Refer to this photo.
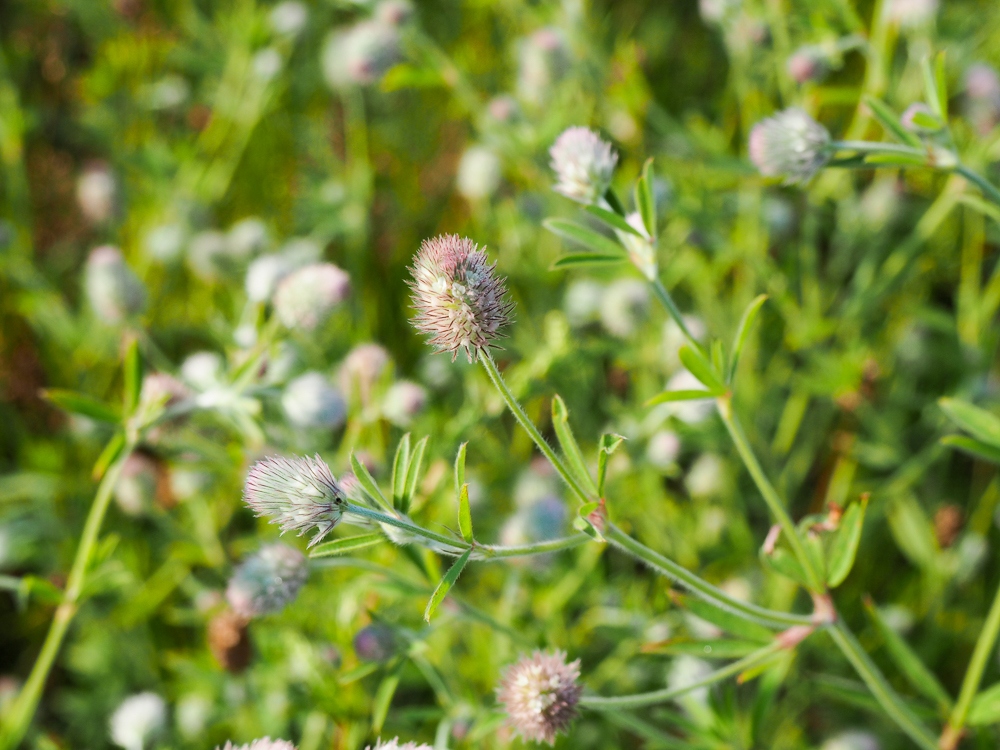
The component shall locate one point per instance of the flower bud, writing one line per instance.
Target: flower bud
(375, 643)
(262, 744)
(543, 61)
(97, 193)
(361, 54)
(113, 289)
(296, 494)
(403, 401)
(288, 18)
(584, 165)
(306, 298)
(478, 173)
(267, 581)
(362, 369)
(908, 119)
(460, 301)
(393, 744)
(539, 694)
(310, 401)
(790, 144)
(137, 719)
(624, 306)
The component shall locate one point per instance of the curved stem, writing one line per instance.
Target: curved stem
(890, 701)
(640, 700)
(700, 588)
(973, 675)
(18, 717)
(771, 497)
(486, 359)
(989, 189)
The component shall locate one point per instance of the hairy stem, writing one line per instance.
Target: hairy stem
(640, 700)
(18, 717)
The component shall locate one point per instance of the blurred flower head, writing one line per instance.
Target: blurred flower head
(790, 144)
(403, 401)
(982, 97)
(165, 242)
(288, 18)
(306, 298)
(544, 60)
(393, 744)
(624, 306)
(266, 272)
(114, 291)
(478, 173)
(362, 369)
(663, 449)
(296, 494)
(361, 54)
(311, 401)
(394, 12)
(539, 694)
(808, 63)
(584, 164)
(912, 13)
(582, 302)
(460, 301)
(852, 739)
(137, 719)
(267, 581)
(262, 744)
(247, 237)
(135, 489)
(97, 193)
(375, 643)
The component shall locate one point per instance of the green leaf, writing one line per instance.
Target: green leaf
(941, 84)
(464, 513)
(896, 160)
(722, 619)
(570, 448)
(383, 699)
(368, 484)
(783, 562)
(668, 396)
(445, 585)
(588, 238)
(921, 678)
(715, 648)
(608, 445)
(612, 198)
(913, 532)
(133, 376)
(109, 455)
(890, 121)
(414, 471)
(927, 121)
(973, 447)
(587, 259)
(400, 463)
(743, 332)
(613, 220)
(844, 548)
(979, 423)
(645, 199)
(935, 88)
(79, 403)
(985, 708)
(347, 544)
(695, 362)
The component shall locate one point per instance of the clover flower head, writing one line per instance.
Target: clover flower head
(306, 297)
(584, 164)
(136, 719)
(808, 63)
(912, 13)
(540, 694)
(789, 144)
(97, 193)
(289, 17)
(296, 494)
(460, 301)
(113, 290)
(310, 401)
(361, 54)
(393, 744)
(267, 581)
(403, 401)
(265, 743)
(394, 12)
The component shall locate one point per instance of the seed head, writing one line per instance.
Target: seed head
(296, 494)
(113, 289)
(262, 744)
(306, 298)
(460, 302)
(583, 163)
(539, 694)
(267, 581)
(393, 744)
(137, 718)
(790, 144)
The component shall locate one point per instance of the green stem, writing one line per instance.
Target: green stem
(18, 717)
(890, 701)
(486, 359)
(668, 302)
(974, 673)
(700, 588)
(399, 523)
(878, 147)
(640, 700)
(771, 497)
(496, 552)
(989, 189)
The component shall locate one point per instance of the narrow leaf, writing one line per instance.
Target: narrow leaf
(460, 467)
(715, 648)
(645, 199)
(400, 463)
(368, 484)
(608, 445)
(743, 332)
(133, 376)
(613, 220)
(79, 403)
(612, 198)
(567, 441)
(934, 88)
(896, 160)
(973, 447)
(584, 236)
(445, 585)
(985, 708)
(464, 513)
(913, 532)
(783, 562)
(979, 423)
(347, 544)
(845, 544)
(668, 396)
(414, 471)
(695, 362)
(587, 259)
(727, 621)
(109, 455)
(383, 699)
(941, 84)
(890, 121)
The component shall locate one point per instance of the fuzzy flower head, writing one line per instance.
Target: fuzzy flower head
(267, 581)
(393, 744)
(113, 290)
(583, 163)
(305, 298)
(460, 301)
(296, 494)
(539, 694)
(262, 744)
(137, 719)
(790, 144)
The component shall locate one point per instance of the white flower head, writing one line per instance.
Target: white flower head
(265, 743)
(97, 193)
(393, 744)
(311, 401)
(113, 290)
(137, 719)
(478, 173)
(307, 297)
(790, 144)
(540, 694)
(584, 164)
(267, 581)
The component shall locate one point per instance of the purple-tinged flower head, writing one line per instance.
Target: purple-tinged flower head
(982, 92)
(265, 743)
(113, 290)
(790, 144)
(539, 694)
(375, 643)
(393, 744)
(460, 301)
(362, 370)
(808, 63)
(267, 581)
(296, 494)
(394, 12)
(544, 59)
(305, 298)
(583, 163)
